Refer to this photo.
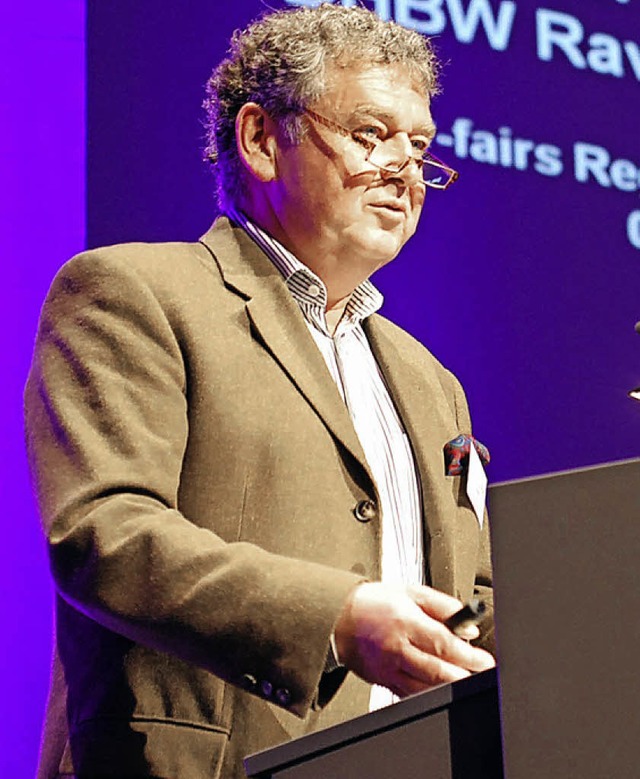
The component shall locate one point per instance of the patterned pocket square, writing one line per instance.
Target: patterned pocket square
(456, 454)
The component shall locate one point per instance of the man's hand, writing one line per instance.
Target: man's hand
(394, 636)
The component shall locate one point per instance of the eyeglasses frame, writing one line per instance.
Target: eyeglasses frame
(370, 145)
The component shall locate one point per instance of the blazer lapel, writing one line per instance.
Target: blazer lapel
(280, 325)
(430, 423)
(413, 383)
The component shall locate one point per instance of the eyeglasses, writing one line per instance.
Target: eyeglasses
(433, 171)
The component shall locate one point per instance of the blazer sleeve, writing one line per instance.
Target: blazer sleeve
(106, 427)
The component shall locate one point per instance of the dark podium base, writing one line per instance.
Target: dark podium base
(452, 732)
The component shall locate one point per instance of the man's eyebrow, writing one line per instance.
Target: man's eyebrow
(428, 129)
(375, 112)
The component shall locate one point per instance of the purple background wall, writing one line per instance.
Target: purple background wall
(526, 284)
(42, 222)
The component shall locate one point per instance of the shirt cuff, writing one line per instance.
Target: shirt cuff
(333, 661)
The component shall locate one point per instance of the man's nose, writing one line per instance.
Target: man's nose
(396, 151)
(396, 160)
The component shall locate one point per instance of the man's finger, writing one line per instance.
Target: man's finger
(468, 632)
(431, 637)
(436, 604)
(428, 670)
(404, 684)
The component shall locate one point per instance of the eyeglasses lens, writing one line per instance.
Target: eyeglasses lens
(435, 176)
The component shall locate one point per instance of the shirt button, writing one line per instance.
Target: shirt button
(313, 290)
(365, 510)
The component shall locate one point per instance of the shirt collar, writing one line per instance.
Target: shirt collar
(306, 287)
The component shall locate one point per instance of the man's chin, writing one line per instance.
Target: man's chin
(385, 247)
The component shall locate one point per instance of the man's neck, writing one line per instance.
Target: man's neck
(334, 314)
(339, 278)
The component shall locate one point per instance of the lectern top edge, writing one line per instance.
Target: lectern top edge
(584, 469)
(369, 724)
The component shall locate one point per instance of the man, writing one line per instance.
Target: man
(231, 449)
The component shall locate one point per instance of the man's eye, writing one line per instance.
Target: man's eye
(371, 133)
(420, 144)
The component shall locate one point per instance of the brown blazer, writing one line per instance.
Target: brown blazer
(197, 473)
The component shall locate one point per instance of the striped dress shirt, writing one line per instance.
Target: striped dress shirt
(354, 370)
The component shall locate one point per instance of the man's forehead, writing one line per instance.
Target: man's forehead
(362, 111)
(383, 91)
(337, 72)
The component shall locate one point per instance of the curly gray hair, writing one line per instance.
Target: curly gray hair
(279, 62)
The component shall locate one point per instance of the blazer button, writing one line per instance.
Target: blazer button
(282, 696)
(248, 682)
(366, 510)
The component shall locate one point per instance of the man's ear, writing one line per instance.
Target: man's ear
(256, 141)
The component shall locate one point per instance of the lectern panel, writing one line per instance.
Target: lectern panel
(566, 553)
(451, 732)
(392, 754)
